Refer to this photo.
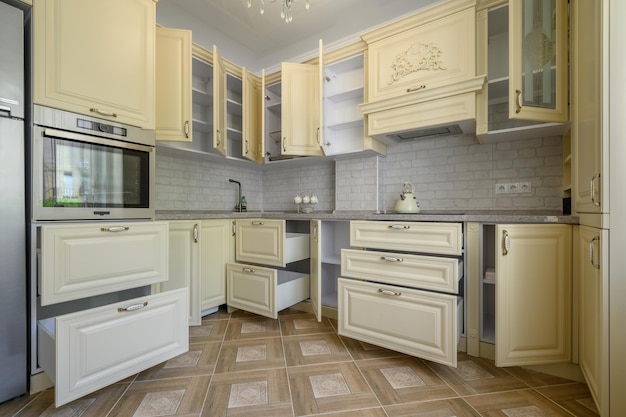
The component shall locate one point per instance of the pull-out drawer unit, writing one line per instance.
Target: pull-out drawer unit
(87, 350)
(266, 242)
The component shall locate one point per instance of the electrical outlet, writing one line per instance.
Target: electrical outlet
(523, 187)
(502, 188)
(513, 188)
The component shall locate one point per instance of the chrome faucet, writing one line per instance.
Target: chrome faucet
(238, 207)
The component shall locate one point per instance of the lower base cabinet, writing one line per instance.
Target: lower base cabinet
(87, 350)
(264, 291)
(415, 322)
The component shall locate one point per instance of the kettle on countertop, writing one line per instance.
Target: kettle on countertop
(407, 202)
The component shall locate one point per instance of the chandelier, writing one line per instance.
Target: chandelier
(285, 12)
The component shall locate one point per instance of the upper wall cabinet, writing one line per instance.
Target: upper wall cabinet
(102, 67)
(422, 74)
(173, 80)
(522, 47)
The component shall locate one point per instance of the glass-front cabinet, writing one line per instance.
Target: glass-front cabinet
(522, 47)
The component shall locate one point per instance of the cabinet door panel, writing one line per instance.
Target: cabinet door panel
(316, 268)
(102, 66)
(252, 289)
(220, 141)
(217, 249)
(533, 294)
(261, 241)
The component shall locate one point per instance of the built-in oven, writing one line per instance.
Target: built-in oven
(88, 168)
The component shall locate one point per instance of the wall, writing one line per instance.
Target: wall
(448, 173)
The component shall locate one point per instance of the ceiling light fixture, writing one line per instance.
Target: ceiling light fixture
(285, 13)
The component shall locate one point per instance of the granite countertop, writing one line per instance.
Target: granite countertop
(484, 216)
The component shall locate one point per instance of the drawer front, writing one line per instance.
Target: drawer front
(414, 322)
(252, 288)
(426, 272)
(260, 241)
(97, 347)
(431, 55)
(83, 260)
(429, 237)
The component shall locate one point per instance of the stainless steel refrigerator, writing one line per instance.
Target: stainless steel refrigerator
(13, 298)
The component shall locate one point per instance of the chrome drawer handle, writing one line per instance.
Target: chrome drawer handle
(258, 223)
(103, 112)
(417, 88)
(250, 270)
(391, 259)
(195, 233)
(506, 243)
(399, 226)
(133, 307)
(595, 265)
(389, 292)
(114, 229)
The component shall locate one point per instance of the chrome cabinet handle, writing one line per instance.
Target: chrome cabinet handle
(389, 292)
(284, 144)
(103, 112)
(133, 307)
(187, 129)
(593, 190)
(247, 147)
(315, 233)
(595, 265)
(317, 136)
(391, 259)
(114, 229)
(518, 101)
(195, 233)
(417, 88)
(219, 137)
(257, 223)
(234, 228)
(506, 242)
(399, 226)
(250, 270)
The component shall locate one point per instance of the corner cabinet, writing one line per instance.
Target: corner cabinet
(100, 67)
(254, 286)
(533, 294)
(173, 81)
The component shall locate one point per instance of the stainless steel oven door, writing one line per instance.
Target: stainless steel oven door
(82, 177)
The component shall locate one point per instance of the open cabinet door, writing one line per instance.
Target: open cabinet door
(252, 147)
(316, 268)
(220, 141)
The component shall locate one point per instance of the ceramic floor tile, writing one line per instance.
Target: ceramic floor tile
(363, 350)
(574, 397)
(536, 379)
(165, 397)
(402, 380)
(520, 403)
(252, 328)
(251, 354)
(329, 388)
(476, 376)
(199, 360)
(314, 349)
(441, 408)
(211, 330)
(262, 393)
(301, 324)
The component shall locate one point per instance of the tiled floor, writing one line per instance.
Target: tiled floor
(246, 365)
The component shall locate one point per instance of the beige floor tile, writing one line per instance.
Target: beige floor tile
(368, 412)
(329, 388)
(211, 330)
(363, 350)
(250, 355)
(534, 378)
(441, 408)
(258, 393)
(301, 324)
(252, 328)
(403, 380)
(164, 397)
(314, 349)
(199, 360)
(574, 397)
(520, 403)
(476, 376)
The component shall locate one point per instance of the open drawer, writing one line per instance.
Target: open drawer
(267, 242)
(84, 351)
(264, 291)
(419, 323)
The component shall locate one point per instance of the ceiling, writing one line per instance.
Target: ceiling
(265, 40)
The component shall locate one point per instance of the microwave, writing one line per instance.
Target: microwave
(85, 168)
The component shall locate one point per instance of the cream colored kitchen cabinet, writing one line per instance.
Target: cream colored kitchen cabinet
(102, 67)
(398, 290)
(265, 291)
(533, 294)
(418, 323)
(267, 242)
(593, 314)
(502, 110)
(217, 248)
(253, 145)
(173, 81)
(422, 74)
(590, 151)
(429, 237)
(220, 139)
(86, 259)
(84, 351)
